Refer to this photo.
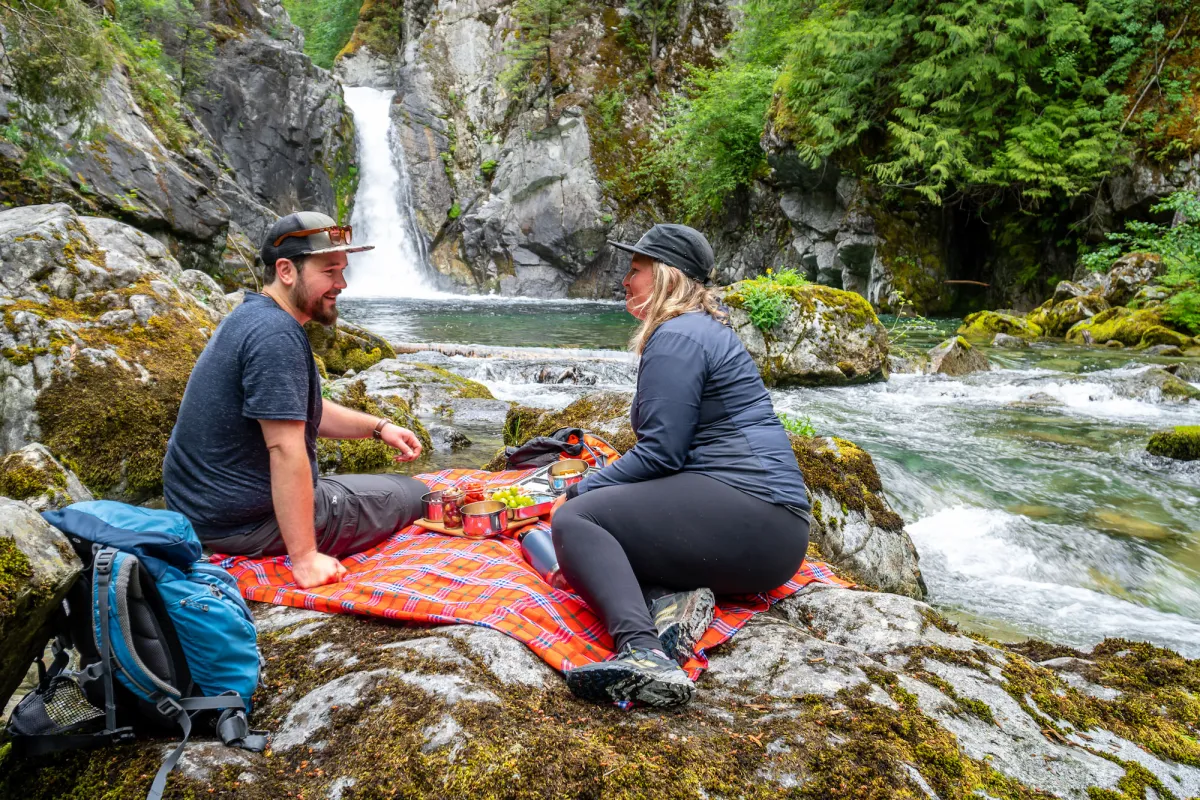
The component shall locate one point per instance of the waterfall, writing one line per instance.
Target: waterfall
(383, 213)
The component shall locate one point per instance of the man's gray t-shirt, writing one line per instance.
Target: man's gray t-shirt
(258, 365)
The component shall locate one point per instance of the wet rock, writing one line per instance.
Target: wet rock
(1151, 384)
(1120, 524)
(986, 324)
(34, 475)
(430, 389)
(907, 362)
(605, 414)
(37, 567)
(97, 388)
(1055, 319)
(446, 439)
(1132, 328)
(1009, 342)
(1182, 443)
(1167, 350)
(828, 338)
(854, 528)
(1129, 274)
(956, 357)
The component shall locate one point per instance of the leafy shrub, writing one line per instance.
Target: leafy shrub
(765, 298)
(801, 426)
(1179, 246)
(327, 26)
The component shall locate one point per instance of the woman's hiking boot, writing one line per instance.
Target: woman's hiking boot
(681, 619)
(645, 676)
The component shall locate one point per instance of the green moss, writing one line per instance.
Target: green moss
(840, 468)
(21, 480)
(913, 254)
(986, 324)
(341, 350)
(15, 573)
(588, 412)
(1056, 319)
(461, 387)
(357, 456)
(21, 355)
(1183, 443)
(1132, 328)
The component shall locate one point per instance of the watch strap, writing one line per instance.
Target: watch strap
(378, 432)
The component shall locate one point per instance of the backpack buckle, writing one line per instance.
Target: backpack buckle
(168, 708)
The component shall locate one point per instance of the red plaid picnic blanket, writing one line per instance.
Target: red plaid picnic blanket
(420, 576)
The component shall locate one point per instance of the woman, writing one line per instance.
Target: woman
(710, 496)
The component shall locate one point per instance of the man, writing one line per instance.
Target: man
(242, 460)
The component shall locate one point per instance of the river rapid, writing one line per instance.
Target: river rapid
(1026, 489)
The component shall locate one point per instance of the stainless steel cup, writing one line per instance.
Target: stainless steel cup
(488, 518)
(565, 473)
(432, 504)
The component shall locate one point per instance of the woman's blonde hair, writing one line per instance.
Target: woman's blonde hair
(674, 293)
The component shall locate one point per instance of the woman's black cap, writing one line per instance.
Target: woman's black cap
(677, 246)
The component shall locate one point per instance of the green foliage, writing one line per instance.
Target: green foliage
(531, 50)
(380, 27)
(655, 18)
(1179, 246)
(488, 168)
(907, 321)
(327, 26)
(801, 426)
(765, 298)
(455, 211)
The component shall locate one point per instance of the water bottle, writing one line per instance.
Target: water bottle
(538, 549)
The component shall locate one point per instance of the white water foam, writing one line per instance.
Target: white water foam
(382, 208)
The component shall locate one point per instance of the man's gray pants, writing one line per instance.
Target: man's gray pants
(352, 513)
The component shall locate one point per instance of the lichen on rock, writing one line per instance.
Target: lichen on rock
(343, 346)
(34, 475)
(986, 324)
(1182, 443)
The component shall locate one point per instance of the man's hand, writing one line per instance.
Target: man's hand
(558, 501)
(403, 440)
(316, 569)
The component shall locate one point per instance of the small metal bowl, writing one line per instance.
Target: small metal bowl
(574, 469)
(542, 503)
(486, 518)
(432, 505)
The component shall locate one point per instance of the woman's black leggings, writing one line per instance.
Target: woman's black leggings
(621, 546)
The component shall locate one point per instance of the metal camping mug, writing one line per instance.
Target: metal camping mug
(538, 549)
(564, 473)
(486, 518)
(432, 505)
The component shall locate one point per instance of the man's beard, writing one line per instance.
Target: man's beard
(312, 305)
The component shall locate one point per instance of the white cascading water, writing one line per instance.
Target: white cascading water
(382, 208)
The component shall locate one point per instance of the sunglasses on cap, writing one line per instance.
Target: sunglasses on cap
(338, 234)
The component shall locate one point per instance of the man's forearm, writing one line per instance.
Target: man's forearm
(292, 496)
(339, 422)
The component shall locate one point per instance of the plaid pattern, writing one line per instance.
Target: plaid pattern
(419, 576)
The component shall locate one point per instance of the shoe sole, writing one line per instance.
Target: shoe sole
(619, 684)
(679, 639)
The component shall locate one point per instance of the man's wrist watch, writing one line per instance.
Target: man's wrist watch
(378, 432)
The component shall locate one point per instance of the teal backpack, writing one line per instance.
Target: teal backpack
(165, 641)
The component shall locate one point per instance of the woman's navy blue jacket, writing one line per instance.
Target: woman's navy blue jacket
(701, 406)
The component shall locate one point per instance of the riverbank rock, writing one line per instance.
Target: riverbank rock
(1055, 318)
(1129, 275)
(1182, 443)
(98, 341)
(37, 567)
(431, 389)
(1003, 340)
(828, 338)
(605, 414)
(1131, 327)
(1151, 384)
(957, 357)
(907, 362)
(986, 324)
(840, 693)
(34, 475)
(352, 456)
(344, 346)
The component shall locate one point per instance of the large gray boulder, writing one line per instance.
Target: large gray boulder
(829, 338)
(840, 693)
(98, 339)
(37, 567)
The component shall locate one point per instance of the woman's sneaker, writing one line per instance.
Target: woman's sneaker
(681, 619)
(646, 676)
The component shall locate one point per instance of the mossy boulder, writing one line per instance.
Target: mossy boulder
(37, 567)
(828, 338)
(1055, 319)
(605, 414)
(353, 456)
(99, 336)
(1182, 443)
(431, 390)
(986, 324)
(1129, 275)
(1131, 327)
(344, 346)
(956, 357)
(836, 693)
(34, 475)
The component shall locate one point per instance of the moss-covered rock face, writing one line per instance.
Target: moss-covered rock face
(343, 347)
(829, 338)
(1182, 443)
(354, 456)
(34, 475)
(986, 324)
(836, 693)
(1132, 328)
(99, 336)
(956, 357)
(1055, 319)
(37, 567)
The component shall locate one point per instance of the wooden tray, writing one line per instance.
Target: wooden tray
(437, 527)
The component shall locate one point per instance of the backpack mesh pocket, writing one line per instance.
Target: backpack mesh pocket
(60, 708)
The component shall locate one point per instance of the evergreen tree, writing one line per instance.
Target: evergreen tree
(532, 49)
(655, 16)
